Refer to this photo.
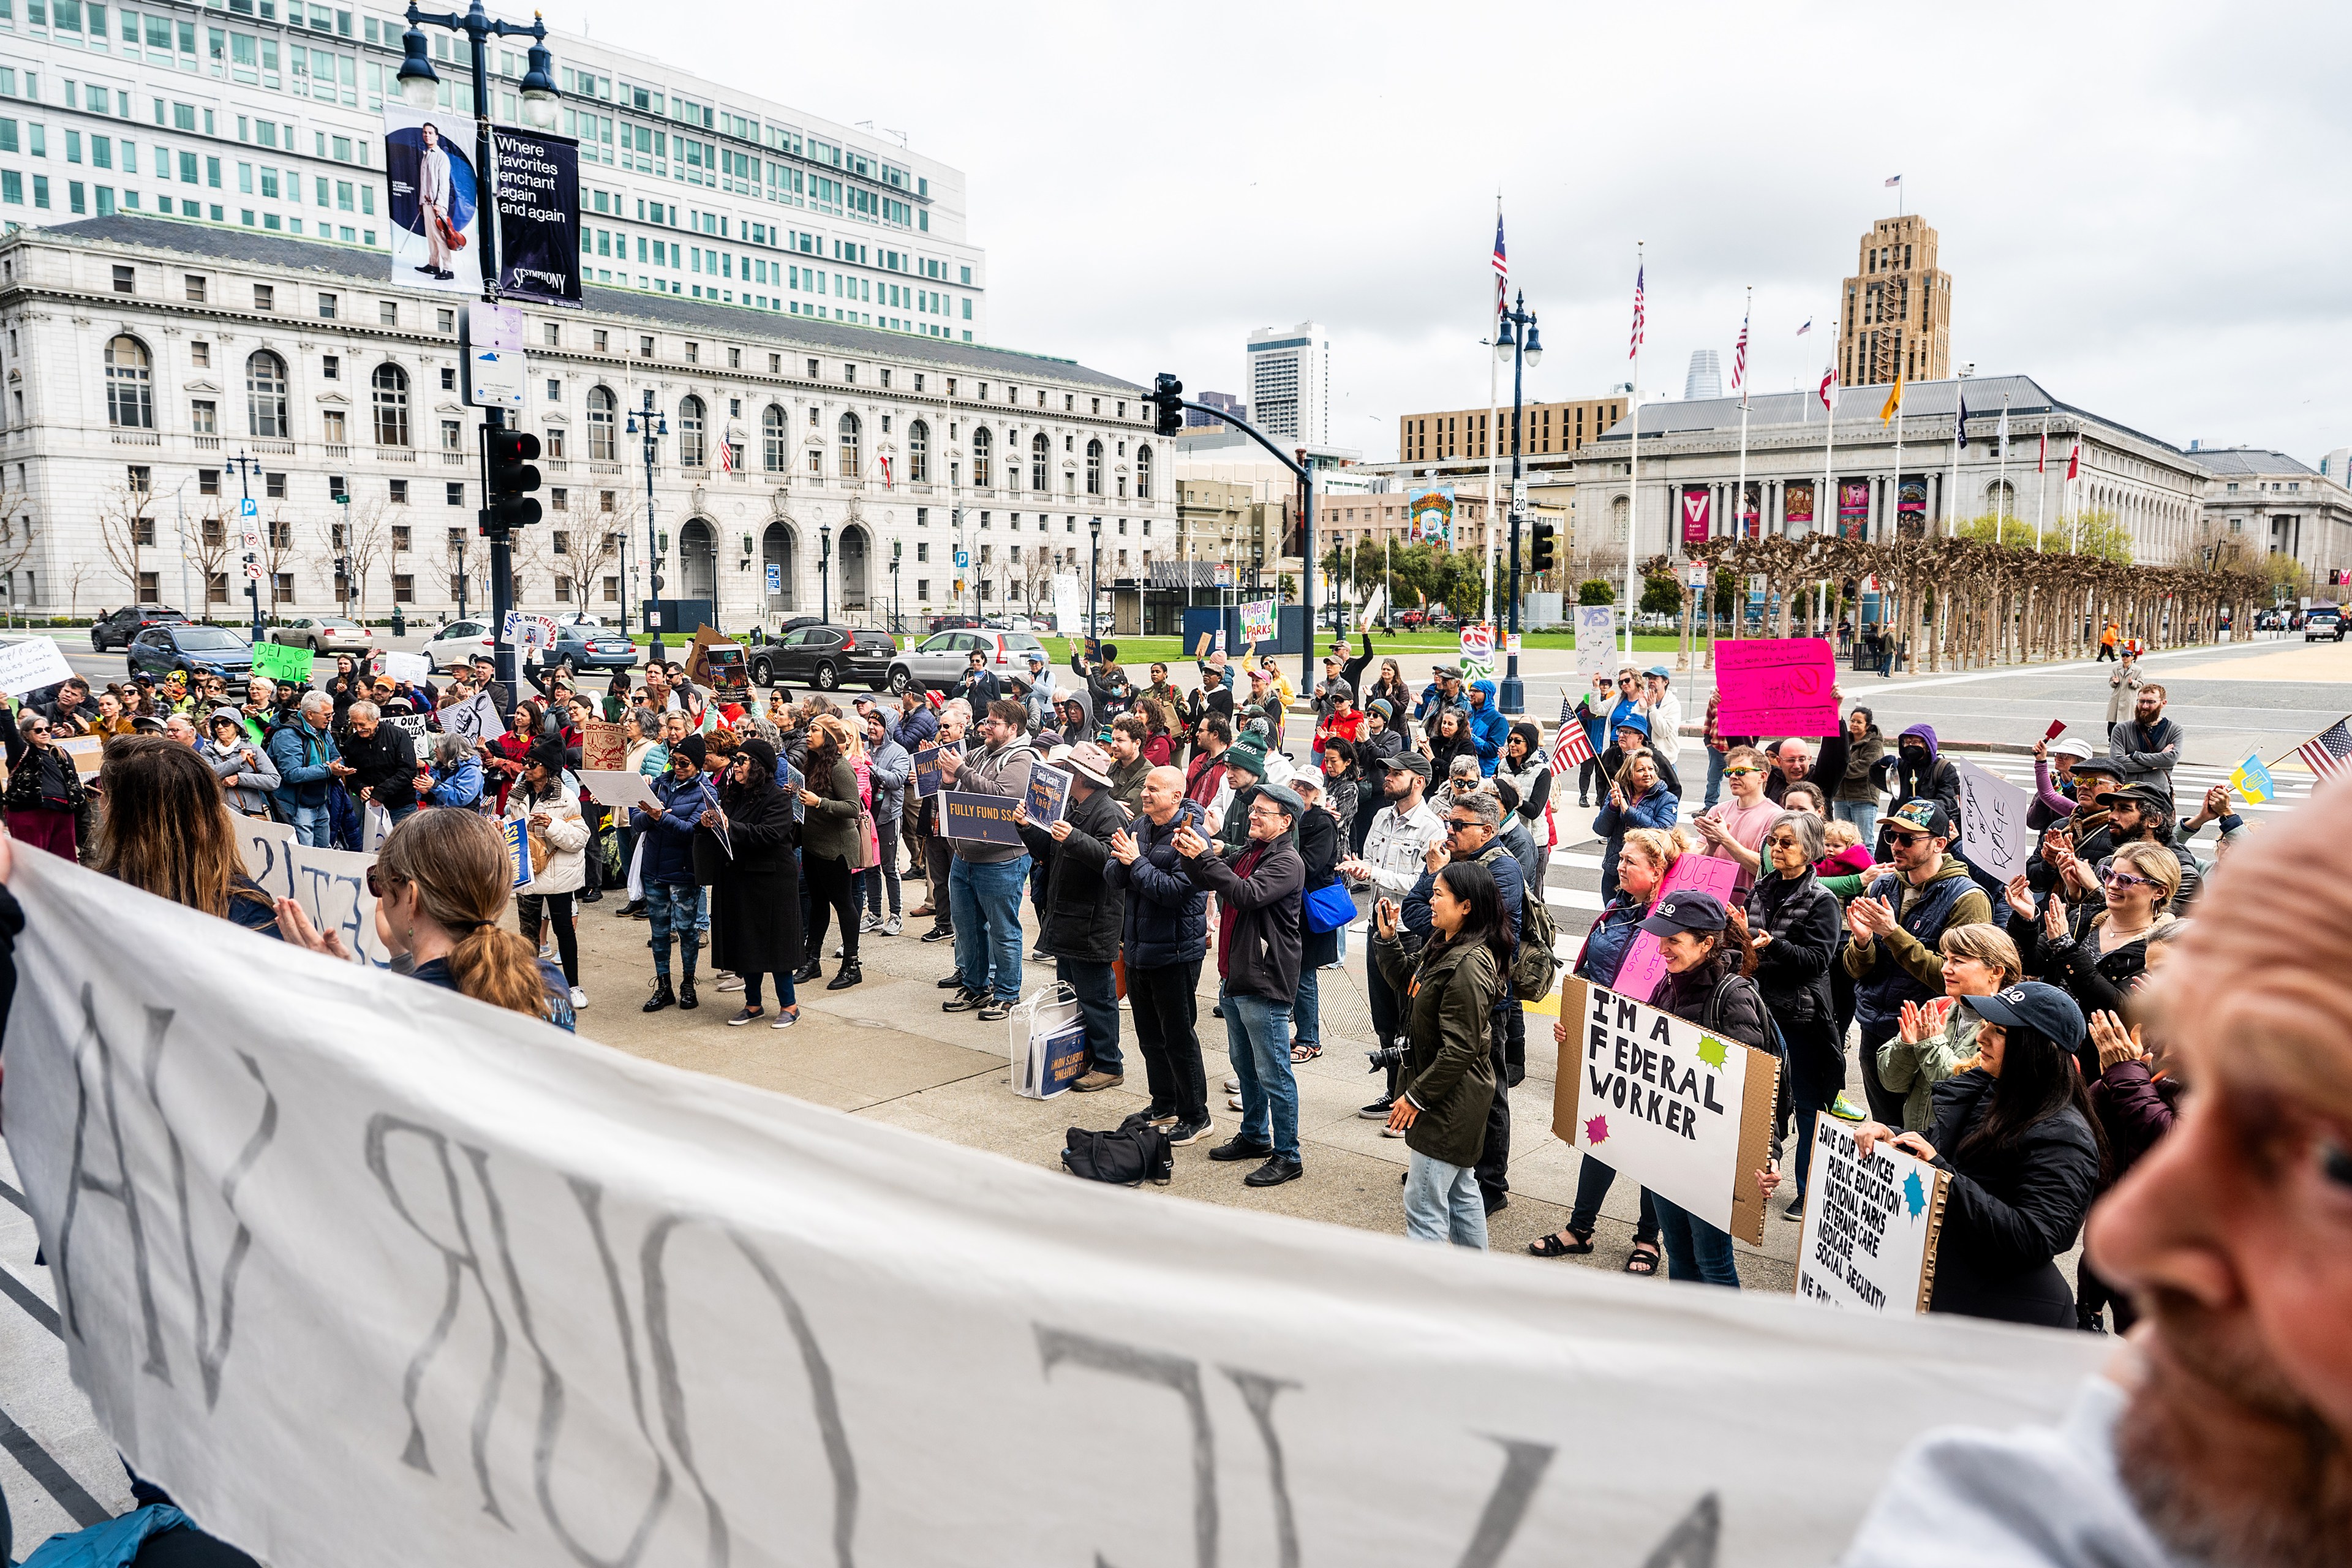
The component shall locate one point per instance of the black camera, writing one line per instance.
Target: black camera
(1387, 1059)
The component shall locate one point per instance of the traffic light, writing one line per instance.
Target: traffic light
(1168, 396)
(1542, 550)
(511, 480)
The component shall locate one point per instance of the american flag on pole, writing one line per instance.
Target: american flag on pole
(2329, 752)
(1574, 747)
(1739, 356)
(1502, 271)
(1634, 351)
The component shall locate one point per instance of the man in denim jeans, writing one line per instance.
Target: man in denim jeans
(673, 901)
(306, 756)
(984, 886)
(1258, 951)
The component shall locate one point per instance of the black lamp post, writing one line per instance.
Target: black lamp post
(245, 467)
(653, 428)
(420, 86)
(1094, 583)
(1520, 343)
(824, 572)
(896, 549)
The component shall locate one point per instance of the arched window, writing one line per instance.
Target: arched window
(918, 453)
(850, 467)
(984, 445)
(1094, 468)
(391, 385)
(1041, 456)
(265, 395)
(774, 442)
(1143, 473)
(600, 446)
(690, 453)
(130, 384)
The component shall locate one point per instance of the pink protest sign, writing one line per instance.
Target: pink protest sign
(1776, 686)
(1644, 966)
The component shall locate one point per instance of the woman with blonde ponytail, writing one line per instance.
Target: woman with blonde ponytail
(442, 882)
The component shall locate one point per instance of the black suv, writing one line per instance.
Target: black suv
(117, 629)
(825, 657)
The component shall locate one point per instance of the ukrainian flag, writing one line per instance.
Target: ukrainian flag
(2253, 781)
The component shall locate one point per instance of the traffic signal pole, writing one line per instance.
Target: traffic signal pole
(1168, 397)
(501, 552)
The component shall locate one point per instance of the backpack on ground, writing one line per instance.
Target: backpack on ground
(1128, 1155)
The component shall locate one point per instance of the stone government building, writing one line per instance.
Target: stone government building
(142, 355)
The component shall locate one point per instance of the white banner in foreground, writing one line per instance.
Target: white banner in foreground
(366, 1273)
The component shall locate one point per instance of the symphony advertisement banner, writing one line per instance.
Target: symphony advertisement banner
(1911, 509)
(1697, 516)
(536, 184)
(377, 1274)
(1797, 500)
(435, 199)
(1751, 516)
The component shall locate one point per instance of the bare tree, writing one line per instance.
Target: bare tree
(365, 539)
(16, 540)
(277, 549)
(212, 552)
(123, 530)
(595, 548)
(77, 576)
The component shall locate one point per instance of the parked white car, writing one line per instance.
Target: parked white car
(457, 645)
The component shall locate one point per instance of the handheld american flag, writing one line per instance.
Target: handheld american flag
(1574, 747)
(2329, 752)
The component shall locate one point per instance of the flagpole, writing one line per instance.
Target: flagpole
(1829, 456)
(1739, 496)
(1959, 426)
(1634, 465)
(1494, 441)
(2041, 481)
(2000, 499)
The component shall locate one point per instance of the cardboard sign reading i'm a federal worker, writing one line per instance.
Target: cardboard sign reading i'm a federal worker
(1870, 1224)
(1686, 1113)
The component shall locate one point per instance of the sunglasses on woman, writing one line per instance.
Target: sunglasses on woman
(2123, 880)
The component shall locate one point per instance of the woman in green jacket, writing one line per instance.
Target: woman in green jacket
(1935, 1040)
(1449, 1077)
(830, 829)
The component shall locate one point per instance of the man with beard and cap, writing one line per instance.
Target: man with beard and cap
(1487, 726)
(2220, 1433)
(1216, 696)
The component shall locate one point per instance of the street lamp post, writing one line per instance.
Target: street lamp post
(1094, 581)
(824, 572)
(1520, 342)
(420, 86)
(246, 521)
(653, 428)
(897, 549)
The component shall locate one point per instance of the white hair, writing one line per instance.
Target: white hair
(956, 707)
(365, 710)
(318, 700)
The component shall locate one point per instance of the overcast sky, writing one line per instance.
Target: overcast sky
(2144, 207)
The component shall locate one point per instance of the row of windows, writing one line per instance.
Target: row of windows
(130, 406)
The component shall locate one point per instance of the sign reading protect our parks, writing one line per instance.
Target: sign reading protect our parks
(1685, 1112)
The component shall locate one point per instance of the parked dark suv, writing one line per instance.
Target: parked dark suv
(117, 629)
(825, 657)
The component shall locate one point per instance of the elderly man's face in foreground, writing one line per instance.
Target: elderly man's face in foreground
(2234, 1234)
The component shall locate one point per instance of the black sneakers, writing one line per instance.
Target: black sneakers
(1377, 1110)
(964, 1001)
(1190, 1132)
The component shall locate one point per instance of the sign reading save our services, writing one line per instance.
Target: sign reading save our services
(1870, 1224)
(1686, 1113)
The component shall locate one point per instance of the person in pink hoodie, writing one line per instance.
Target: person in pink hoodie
(1734, 829)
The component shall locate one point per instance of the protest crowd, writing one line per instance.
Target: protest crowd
(1805, 897)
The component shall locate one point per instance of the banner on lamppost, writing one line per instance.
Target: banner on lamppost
(535, 188)
(1433, 514)
(435, 199)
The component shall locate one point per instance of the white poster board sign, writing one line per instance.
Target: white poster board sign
(1069, 604)
(1993, 835)
(413, 668)
(443, 1284)
(618, 789)
(528, 632)
(1869, 1243)
(1596, 639)
(30, 663)
(1686, 1113)
(329, 884)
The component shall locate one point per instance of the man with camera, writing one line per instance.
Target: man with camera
(1396, 851)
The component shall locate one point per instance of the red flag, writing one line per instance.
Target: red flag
(1828, 381)
(2042, 457)
(2075, 460)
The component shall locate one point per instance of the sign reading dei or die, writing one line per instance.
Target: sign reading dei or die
(1870, 1224)
(1686, 1113)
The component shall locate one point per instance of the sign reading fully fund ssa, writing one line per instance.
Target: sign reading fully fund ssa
(982, 818)
(1685, 1112)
